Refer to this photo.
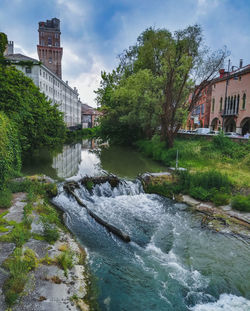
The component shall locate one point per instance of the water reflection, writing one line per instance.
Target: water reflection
(87, 158)
(67, 162)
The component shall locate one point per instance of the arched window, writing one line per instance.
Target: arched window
(244, 101)
(234, 105)
(213, 102)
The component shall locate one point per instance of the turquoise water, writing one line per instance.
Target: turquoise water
(171, 262)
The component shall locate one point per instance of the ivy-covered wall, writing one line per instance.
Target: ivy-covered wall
(10, 155)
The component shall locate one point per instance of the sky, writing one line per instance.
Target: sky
(95, 32)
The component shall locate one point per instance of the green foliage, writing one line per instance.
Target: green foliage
(3, 44)
(18, 264)
(19, 235)
(149, 89)
(50, 232)
(82, 133)
(5, 198)
(220, 199)
(65, 261)
(38, 122)
(241, 203)
(89, 185)
(10, 160)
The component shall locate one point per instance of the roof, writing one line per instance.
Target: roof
(20, 57)
(86, 109)
(232, 74)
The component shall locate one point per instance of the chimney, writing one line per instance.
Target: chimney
(241, 63)
(222, 73)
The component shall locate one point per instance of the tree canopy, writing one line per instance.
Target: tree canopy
(39, 123)
(149, 90)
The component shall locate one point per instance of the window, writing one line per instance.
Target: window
(28, 69)
(49, 41)
(244, 101)
(43, 74)
(56, 44)
(40, 72)
(221, 101)
(213, 102)
(50, 60)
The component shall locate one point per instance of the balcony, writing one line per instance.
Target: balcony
(230, 112)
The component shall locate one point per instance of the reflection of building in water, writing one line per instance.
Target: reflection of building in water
(67, 162)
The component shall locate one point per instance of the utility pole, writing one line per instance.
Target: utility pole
(225, 101)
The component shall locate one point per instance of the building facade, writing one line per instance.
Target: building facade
(56, 90)
(90, 116)
(49, 50)
(200, 115)
(230, 108)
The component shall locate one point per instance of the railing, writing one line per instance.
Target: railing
(229, 112)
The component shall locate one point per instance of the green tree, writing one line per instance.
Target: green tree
(179, 65)
(10, 159)
(39, 122)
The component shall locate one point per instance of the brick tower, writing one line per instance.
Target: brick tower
(48, 49)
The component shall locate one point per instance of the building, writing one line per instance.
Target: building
(46, 73)
(49, 50)
(56, 90)
(200, 115)
(89, 116)
(231, 107)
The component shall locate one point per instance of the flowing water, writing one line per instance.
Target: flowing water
(171, 262)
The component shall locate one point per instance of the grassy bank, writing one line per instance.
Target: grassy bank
(198, 155)
(217, 170)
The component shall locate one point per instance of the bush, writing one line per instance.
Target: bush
(220, 199)
(10, 158)
(200, 193)
(241, 203)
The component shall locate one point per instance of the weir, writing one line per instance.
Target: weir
(69, 188)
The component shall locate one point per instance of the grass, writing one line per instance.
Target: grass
(18, 264)
(199, 155)
(65, 260)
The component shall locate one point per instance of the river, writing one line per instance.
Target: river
(171, 262)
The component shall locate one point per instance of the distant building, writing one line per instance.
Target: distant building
(49, 50)
(90, 116)
(235, 108)
(200, 115)
(56, 90)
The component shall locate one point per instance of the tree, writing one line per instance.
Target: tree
(39, 123)
(180, 65)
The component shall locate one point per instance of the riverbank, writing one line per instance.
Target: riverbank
(221, 218)
(42, 265)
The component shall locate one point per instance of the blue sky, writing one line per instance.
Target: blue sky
(94, 32)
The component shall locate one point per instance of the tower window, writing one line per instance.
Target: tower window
(221, 100)
(213, 102)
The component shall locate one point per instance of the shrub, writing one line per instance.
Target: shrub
(220, 199)
(200, 193)
(241, 203)
(19, 235)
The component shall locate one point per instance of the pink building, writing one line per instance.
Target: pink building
(235, 109)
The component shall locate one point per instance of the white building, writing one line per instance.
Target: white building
(56, 90)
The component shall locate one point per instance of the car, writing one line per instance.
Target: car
(214, 132)
(203, 130)
(232, 134)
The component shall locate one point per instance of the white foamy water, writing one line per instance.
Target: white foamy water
(226, 302)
